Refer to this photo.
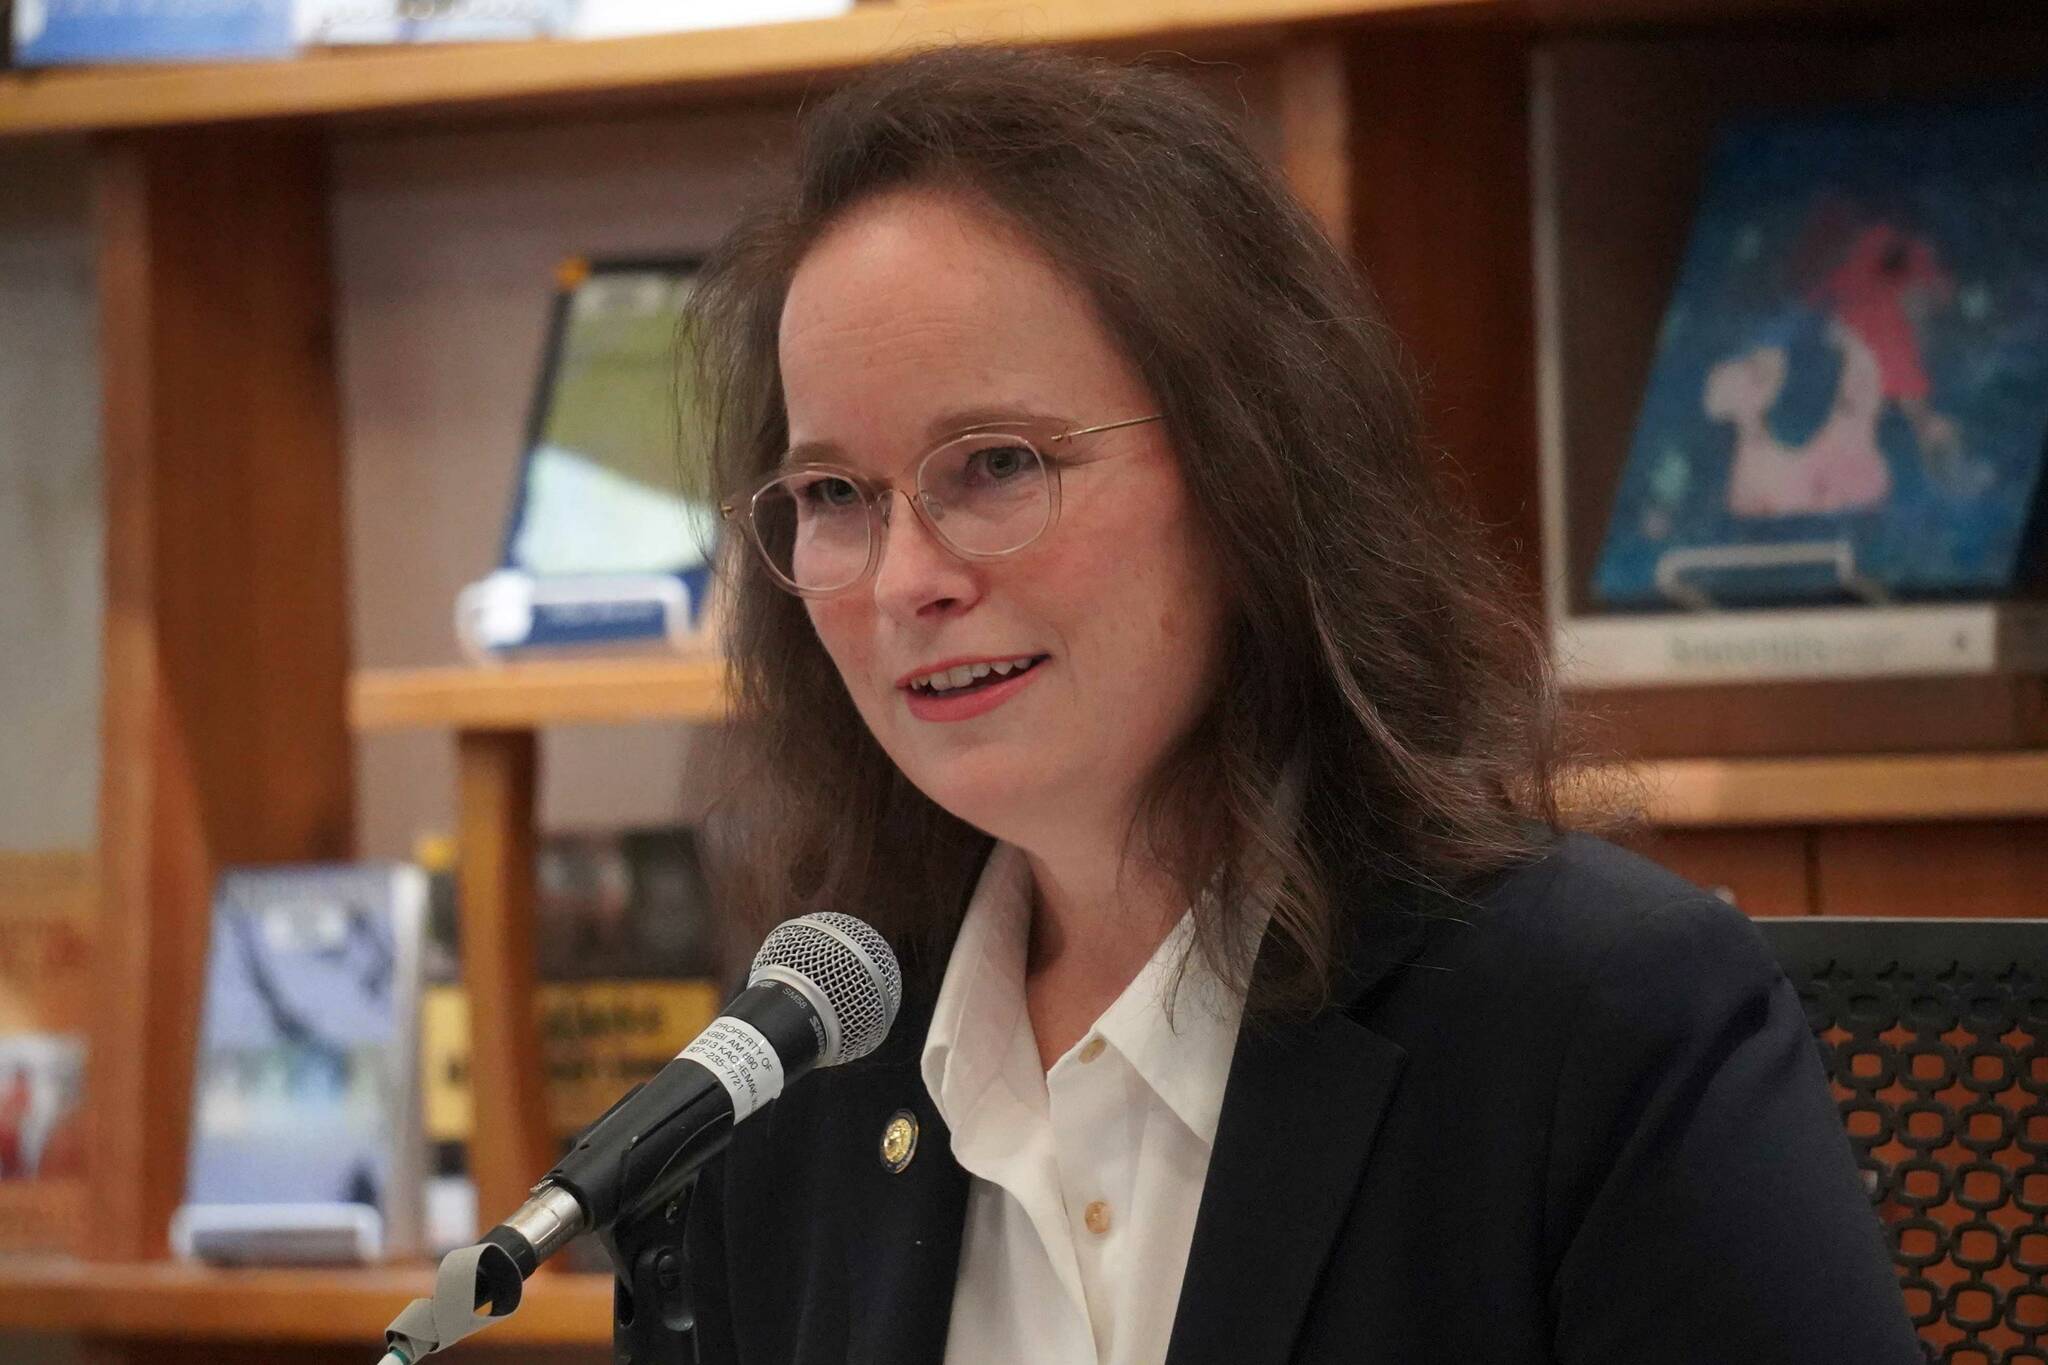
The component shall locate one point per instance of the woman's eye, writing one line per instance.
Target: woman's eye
(831, 493)
(1002, 462)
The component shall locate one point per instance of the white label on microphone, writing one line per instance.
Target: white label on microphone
(742, 1059)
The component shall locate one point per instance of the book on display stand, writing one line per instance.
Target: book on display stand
(1837, 464)
(610, 542)
(306, 1145)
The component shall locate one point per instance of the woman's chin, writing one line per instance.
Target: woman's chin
(992, 796)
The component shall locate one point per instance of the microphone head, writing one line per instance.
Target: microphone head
(846, 970)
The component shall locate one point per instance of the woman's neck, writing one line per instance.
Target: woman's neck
(1093, 928)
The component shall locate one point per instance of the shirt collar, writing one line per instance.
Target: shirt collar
(1177, 1035)
(980, 1005)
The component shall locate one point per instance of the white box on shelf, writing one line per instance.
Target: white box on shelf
(1804, 643)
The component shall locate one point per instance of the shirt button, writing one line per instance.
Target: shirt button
(1092, 1049)
(1097, 1217)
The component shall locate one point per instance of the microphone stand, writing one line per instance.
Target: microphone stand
(652, 1316)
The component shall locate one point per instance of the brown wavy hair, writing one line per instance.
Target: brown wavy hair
(1372, 630)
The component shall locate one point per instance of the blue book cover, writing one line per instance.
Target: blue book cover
(77, 32)
(304, 1085)
(1850, 393)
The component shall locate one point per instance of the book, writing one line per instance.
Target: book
(629, 973)
(352, 22)
(612, 534)
(305, 1142)
(72, 32)
(45, 992)
(627, 18)
(1849, 398)
(41, 1076)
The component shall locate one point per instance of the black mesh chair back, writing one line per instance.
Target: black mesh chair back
(1935, 1037)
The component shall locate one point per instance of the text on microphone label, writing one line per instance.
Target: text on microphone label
(742, 1059)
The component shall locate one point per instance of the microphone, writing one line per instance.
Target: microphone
(823, 989)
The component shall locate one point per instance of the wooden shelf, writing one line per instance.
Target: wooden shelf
(530, 696)
(766, 58)
(1883, 789)
(1677, 793)
(709, 63)
(173, 1300)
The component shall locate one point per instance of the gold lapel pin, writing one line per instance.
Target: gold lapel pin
(899, 1141)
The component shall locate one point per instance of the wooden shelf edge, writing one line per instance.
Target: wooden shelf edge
(173, 1300)
(530, 696)
(1673, 793)
(1865, 789)
(714, 61)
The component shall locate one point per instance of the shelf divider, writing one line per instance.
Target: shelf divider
(226, 630)
(510, 1147)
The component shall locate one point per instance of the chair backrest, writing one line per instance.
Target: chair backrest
(1934, 1033)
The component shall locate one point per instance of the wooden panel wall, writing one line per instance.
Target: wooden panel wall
(1440, 213)
(226, 648)
(1964, 869)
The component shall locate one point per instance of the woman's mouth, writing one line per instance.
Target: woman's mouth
(951, 696)
(973, 677)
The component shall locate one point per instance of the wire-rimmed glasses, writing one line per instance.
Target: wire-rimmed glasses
(983, 494)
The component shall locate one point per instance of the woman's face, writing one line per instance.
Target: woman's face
(914, 317)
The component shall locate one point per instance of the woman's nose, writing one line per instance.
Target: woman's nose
(917, 571)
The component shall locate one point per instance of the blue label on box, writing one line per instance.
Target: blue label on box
(590, 623)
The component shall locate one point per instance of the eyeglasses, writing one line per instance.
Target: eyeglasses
(983, 494)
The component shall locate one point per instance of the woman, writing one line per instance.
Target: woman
(1115, 653)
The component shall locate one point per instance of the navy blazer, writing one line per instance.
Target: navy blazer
(1582, 1121)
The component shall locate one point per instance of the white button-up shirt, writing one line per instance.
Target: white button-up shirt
(1085, 1179)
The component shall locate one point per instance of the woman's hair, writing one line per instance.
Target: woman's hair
(1370, 629)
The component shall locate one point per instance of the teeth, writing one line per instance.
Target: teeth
(945, 680)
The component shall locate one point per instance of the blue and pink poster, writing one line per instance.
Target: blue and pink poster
(1850, 393)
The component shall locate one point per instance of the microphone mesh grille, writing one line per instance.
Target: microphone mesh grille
(850, 964)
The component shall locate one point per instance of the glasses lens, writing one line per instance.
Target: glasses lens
(988, 494)
(813, 527)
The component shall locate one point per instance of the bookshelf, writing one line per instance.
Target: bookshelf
(232, 709)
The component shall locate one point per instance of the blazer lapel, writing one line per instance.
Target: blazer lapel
(903, 1228)
(1301, 1111)
(1299, 1118)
